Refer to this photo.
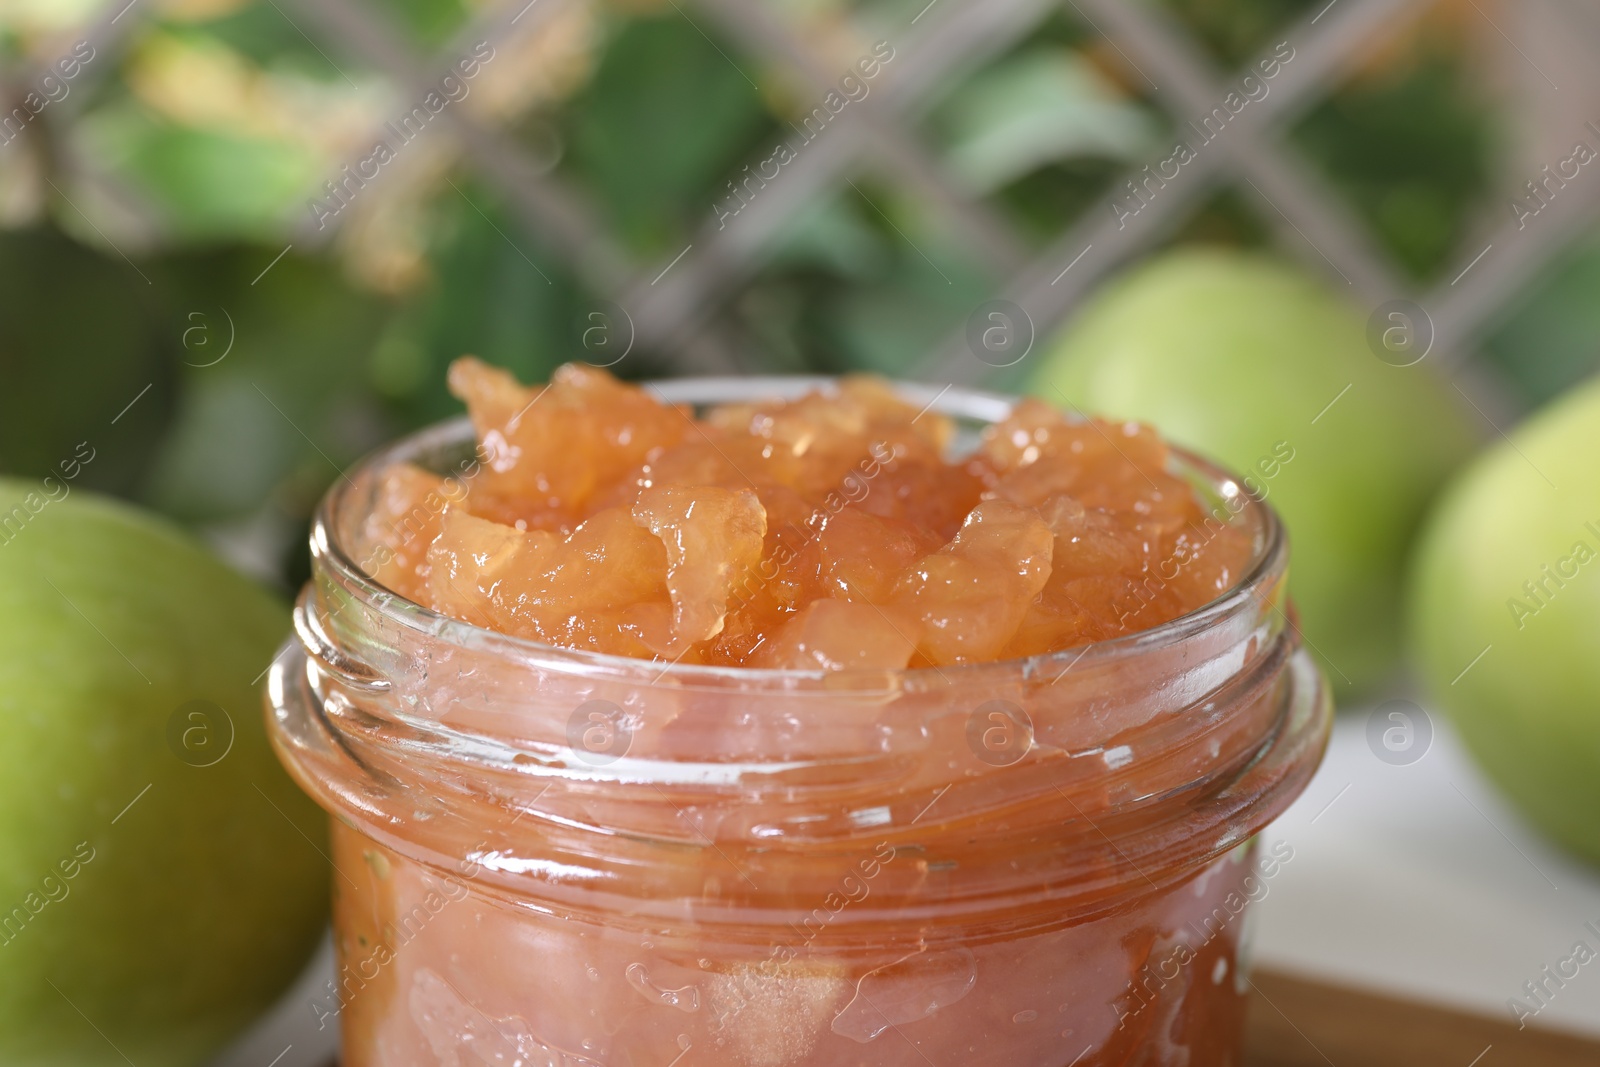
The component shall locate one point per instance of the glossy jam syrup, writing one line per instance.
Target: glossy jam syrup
(831, 531)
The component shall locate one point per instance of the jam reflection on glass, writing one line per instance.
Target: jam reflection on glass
(432, 974)
(838, 731)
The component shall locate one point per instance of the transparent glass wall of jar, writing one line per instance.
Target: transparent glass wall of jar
(547, 857)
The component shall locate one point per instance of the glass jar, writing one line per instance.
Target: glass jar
(551, 858)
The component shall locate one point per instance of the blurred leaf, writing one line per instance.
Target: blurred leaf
(264, 32)
(886, 331)
(227, 452)
(288, 407)
(830, 235)
(206, 184)
(1063, 28)
(431, 22)
(1047, 200)
(1411, 151)
(927, 290)
(1552, 340)
(663, 125)
(1223, 218)
(81, 338)
(1235, 30)
(1040, 108)
(773, 316)
(495, 294)
(321, 369)
(821, 252)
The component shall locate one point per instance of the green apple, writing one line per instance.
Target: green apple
(161, 878)
(1246, 360)
(1505, 615)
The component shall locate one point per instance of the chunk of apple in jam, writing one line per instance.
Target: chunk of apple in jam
(829, 532)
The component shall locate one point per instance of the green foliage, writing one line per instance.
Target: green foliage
(206, 184)
(288, 407)
(1228, 217)
(1236, 30)
(1551, 341)
(81, 337)
(267, 35)
(666, 120)
(866, 281)
(1039, 108)
(1411, 151)
(494, 293)
(431, 22)
(652, 128)
(1046, 131)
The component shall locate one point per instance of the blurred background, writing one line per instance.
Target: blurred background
(212, 273)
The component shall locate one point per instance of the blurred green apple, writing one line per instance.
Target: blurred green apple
(1247, 360)
(1505, 615)
(161, 878)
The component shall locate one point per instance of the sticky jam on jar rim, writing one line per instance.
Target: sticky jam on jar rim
(554, 857)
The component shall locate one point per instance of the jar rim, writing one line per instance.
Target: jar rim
(1106, 767)
(1268, 561)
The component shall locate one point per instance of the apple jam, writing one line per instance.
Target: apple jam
(830, 531)
(766, 723)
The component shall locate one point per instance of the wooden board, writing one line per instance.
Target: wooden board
(1294, 1022)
